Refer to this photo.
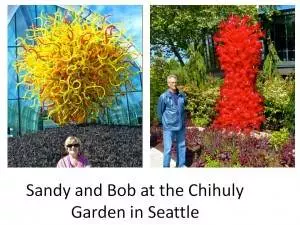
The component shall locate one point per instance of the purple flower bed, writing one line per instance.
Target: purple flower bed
(213, 148)
(104, 146)
(236, 150)
(287, 157)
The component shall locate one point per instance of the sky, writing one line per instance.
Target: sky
(128, 15)
(282, 7)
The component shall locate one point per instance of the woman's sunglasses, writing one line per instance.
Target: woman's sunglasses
(71, 145)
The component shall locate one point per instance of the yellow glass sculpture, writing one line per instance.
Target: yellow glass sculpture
(74, 66)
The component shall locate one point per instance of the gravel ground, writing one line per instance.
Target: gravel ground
(104, 146)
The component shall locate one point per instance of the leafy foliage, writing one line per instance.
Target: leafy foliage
(228, 149)
(288, 153)
(234, 150)
(210, 162)
(271, 62)
(214, 148)
(267, 12)
(279, 100)
(279, 93)
(279, 138)
(195, 67)
(202, 101)
(174, 27)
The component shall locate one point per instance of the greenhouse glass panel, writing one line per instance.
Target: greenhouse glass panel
(11, 32)
(135, 108)
(103, 119)
(22, 88)
(136, 80)
(118, 113)
(13, 118)
(29, 116)
(25, 18)
(45, 9)
(123, 88)
(12, 79)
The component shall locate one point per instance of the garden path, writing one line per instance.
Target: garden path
(156, 159)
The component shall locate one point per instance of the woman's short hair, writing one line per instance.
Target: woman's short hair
(72, 139)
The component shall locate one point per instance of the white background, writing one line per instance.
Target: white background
(270, 197)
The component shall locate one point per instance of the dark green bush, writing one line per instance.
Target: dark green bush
(202, 101)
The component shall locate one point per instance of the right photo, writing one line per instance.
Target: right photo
(222, 86)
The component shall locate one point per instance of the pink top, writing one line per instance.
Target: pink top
(65, 162)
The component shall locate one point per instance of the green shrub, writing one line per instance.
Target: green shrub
(235, 157)
(209, 162)
(271, 62)
(279, 100)
(279, 93)
(289, 121)
(279, 138)
(202, 101)
(196, 71)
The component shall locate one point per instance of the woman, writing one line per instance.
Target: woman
(75, 158)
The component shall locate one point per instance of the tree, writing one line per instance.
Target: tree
(174, 28)
(195, 67)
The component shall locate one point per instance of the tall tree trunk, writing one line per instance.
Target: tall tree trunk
(176, 52)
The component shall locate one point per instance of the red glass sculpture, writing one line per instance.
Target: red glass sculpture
(238, 46)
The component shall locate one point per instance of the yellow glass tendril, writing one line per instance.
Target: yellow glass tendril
(75, 66)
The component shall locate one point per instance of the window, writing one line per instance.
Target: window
(283, 35)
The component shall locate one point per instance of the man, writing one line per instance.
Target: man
(172, 115)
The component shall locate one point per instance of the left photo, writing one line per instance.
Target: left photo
(74, 86)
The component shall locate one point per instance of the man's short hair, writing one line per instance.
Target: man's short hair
(171, 76)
